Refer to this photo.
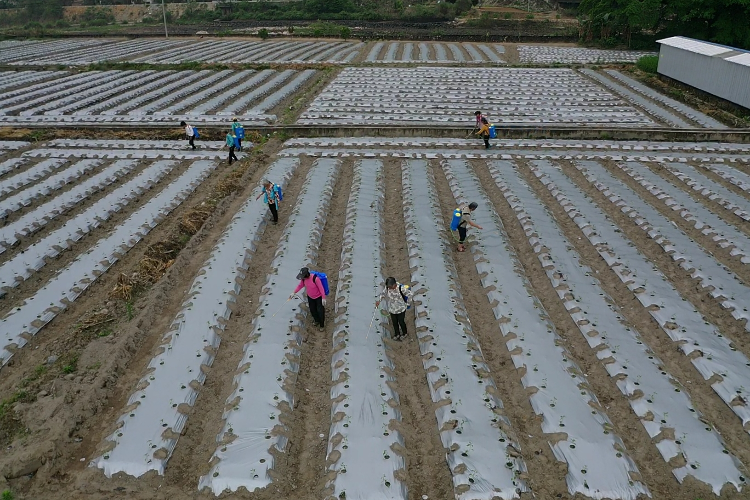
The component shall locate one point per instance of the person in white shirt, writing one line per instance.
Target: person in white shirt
(189, 133)
(397, 301)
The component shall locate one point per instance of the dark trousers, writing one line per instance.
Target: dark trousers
(191, 138)
(232, 156)
(399, 324)
(317, 310)
(461, 234)
(486, 138)
(274, 211)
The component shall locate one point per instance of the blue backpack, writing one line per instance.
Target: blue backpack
(403, 295)
(240, 132)
(493, 132)
(323, 279)
(456, 220)
(280, 195)
(195, 133)
(237, 142)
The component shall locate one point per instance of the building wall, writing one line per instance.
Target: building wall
(714, 75)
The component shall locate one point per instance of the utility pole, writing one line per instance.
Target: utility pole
(164, 13)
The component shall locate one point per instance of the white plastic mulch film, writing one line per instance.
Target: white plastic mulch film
(157, 411)
(723, 233)
(27, 319)
(721, 283)
(581, 434)
(40, 216)
(483, 457)
(710, 189)
(659, 400)
(252, 435)
(677, 318)
(364, 449)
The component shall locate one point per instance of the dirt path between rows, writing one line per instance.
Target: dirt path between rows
(546, 476)
(69, 424)
(688, 287)
(678, 365)
(427, 471)
(722, 255)
(305, 470)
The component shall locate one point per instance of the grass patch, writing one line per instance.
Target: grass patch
(648, 64)
(7, 495)
(71, 364)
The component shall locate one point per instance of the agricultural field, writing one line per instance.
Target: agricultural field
(591, 343)
(141, 98)
(77, 52)
(509, 96)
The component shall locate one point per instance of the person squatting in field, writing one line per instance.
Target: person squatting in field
(316, 295)
(271, 197)
(397, 301)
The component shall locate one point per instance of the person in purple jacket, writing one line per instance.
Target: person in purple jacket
(316, 295)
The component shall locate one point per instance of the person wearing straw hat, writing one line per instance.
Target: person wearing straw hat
(397, 300)
(316, 295)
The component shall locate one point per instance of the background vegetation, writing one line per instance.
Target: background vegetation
(635, 23)
(638, 22)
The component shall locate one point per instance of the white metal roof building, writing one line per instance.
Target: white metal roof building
(717, 69)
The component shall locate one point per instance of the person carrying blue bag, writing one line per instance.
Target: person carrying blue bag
(231, 143)
(272, 195)
(461, 221)
(315, 284)
(239, 131)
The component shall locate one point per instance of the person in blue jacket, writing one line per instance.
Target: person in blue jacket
(231, 142)
(270, 195)
(238, 130)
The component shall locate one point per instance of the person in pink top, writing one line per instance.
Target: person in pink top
(316, 295)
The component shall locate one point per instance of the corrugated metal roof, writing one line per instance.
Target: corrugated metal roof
(743, 59)
(697, 46)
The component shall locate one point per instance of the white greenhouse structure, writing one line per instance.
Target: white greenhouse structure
(717, 69)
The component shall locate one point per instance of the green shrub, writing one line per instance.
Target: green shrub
(648, 63)
(7, 495)
(346, 32)
(62, 23)
(263, 33)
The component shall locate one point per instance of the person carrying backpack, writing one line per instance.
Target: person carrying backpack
(189, 133)
(461, 221)
(397, 301)
(271, 196)
(484, 131)
(239, 131)
(314, 287)
(231, 142)
(478, 115)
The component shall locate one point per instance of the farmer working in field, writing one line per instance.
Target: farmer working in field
(189, 133)
(271, 197)
(316, 295)
(397, 301)
(231, 142)
(466, 221)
